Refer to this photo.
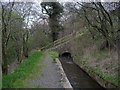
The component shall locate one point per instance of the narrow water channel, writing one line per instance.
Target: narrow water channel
(77, 77)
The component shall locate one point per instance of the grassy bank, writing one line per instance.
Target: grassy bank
(87, 52)
(56, 43)
(23, 72)
(104, 62)
(54, 55)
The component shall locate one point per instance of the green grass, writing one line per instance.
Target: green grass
(63, 41)
(0, 82)
(25, 69)
(99, 72)
(38, 87)
(54, 55)
(111, 79)
(84, 31)
(50, 45)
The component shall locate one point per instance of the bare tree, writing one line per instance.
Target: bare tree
(25, 10)
(6, 18)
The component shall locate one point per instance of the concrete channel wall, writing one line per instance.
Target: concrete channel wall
(65, 81)
(96, 77)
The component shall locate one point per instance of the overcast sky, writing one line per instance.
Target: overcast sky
(60, 0)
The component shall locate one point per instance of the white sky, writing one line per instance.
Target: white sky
(60, 0)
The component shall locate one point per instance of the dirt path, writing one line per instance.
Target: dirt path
(50, 76)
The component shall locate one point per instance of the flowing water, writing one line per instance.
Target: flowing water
(77, 77)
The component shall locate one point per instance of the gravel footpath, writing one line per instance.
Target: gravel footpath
(50, 77)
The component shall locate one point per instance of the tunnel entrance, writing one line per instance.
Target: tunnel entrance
(66, 54)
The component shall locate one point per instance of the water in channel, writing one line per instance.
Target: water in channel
(77, 77)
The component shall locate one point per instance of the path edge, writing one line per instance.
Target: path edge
(66, 82)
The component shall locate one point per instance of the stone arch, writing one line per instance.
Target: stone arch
(65, 54)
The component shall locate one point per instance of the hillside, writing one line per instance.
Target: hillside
(87, 52)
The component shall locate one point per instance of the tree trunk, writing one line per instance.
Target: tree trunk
(118, 41)
(118, 51)
(53, 22)
(5, 62)
(18, 51)
(4, 52)
(25, 48)
(54, 36)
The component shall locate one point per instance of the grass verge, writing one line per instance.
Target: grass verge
(25, 69)
(112, 79)
(54, 55)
